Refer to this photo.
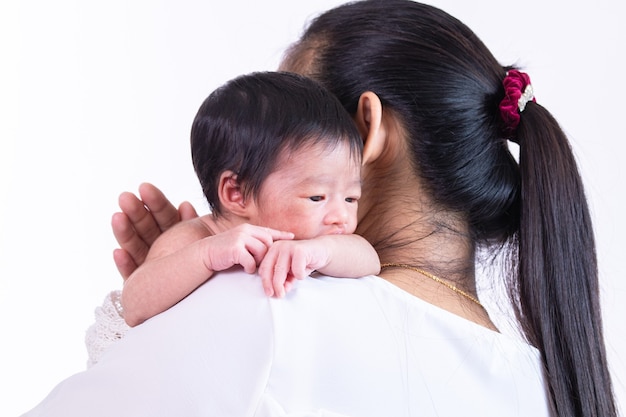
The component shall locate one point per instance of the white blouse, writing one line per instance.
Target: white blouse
(333, 347)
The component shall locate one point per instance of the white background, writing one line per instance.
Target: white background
(96, 97)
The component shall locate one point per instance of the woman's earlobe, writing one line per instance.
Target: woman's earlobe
(369, 121)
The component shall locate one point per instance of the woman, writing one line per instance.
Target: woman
(435, 110)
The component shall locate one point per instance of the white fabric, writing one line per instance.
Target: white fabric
(108, 328)
(333, 347)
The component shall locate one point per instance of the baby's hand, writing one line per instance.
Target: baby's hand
(288, 260)
(244, 245)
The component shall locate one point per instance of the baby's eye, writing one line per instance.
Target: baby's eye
(316, 198)
(351, 199)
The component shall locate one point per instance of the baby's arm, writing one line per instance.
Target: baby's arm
(184, 257)
(351, 256)
(348, 256)
(158, 283)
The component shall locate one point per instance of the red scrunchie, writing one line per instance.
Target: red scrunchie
(515, 84)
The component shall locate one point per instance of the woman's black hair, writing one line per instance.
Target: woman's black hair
(445, 87)
(244, 126)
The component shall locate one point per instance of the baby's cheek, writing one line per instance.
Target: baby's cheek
(304, 232)
(291, 222)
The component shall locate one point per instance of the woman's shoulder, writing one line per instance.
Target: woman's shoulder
(375, 296)
(342, 302)
(373, 312)
(363, 338)
(371, 337)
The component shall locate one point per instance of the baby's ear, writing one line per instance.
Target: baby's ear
(231, 195)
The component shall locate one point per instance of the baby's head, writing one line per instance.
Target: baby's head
(255, 124)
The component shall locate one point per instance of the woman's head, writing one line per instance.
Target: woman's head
(443, 87)
(251, 123)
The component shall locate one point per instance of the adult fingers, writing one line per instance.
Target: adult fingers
(164, 213)
(142, 222)
(124, 263)
(187, 211)
(130, 242)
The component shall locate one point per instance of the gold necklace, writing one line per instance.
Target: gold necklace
(434, 278)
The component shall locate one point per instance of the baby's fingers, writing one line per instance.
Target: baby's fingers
(288, 285)
(280, 234)
(247, 261)
(257, 248)
(268, 235)
(299, 265)
(266, 272)
(282, 271)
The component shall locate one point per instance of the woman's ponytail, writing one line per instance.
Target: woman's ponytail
(557, 289)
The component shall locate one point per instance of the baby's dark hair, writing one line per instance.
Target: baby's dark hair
(246, 124)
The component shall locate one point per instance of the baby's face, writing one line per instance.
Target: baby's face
(313, 192)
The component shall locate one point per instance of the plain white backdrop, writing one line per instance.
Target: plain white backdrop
(97, 97)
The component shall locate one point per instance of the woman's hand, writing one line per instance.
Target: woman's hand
(141, 222)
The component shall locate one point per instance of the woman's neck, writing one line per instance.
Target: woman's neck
(407, 229)
(413, 234)
(399, 219)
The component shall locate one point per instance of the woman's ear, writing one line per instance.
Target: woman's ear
(369, 121)
(230, 194)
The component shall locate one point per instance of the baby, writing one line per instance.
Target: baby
(278, 158)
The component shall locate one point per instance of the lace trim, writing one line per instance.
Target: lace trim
(108, 328)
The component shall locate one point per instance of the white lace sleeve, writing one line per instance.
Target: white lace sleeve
(108, 328)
